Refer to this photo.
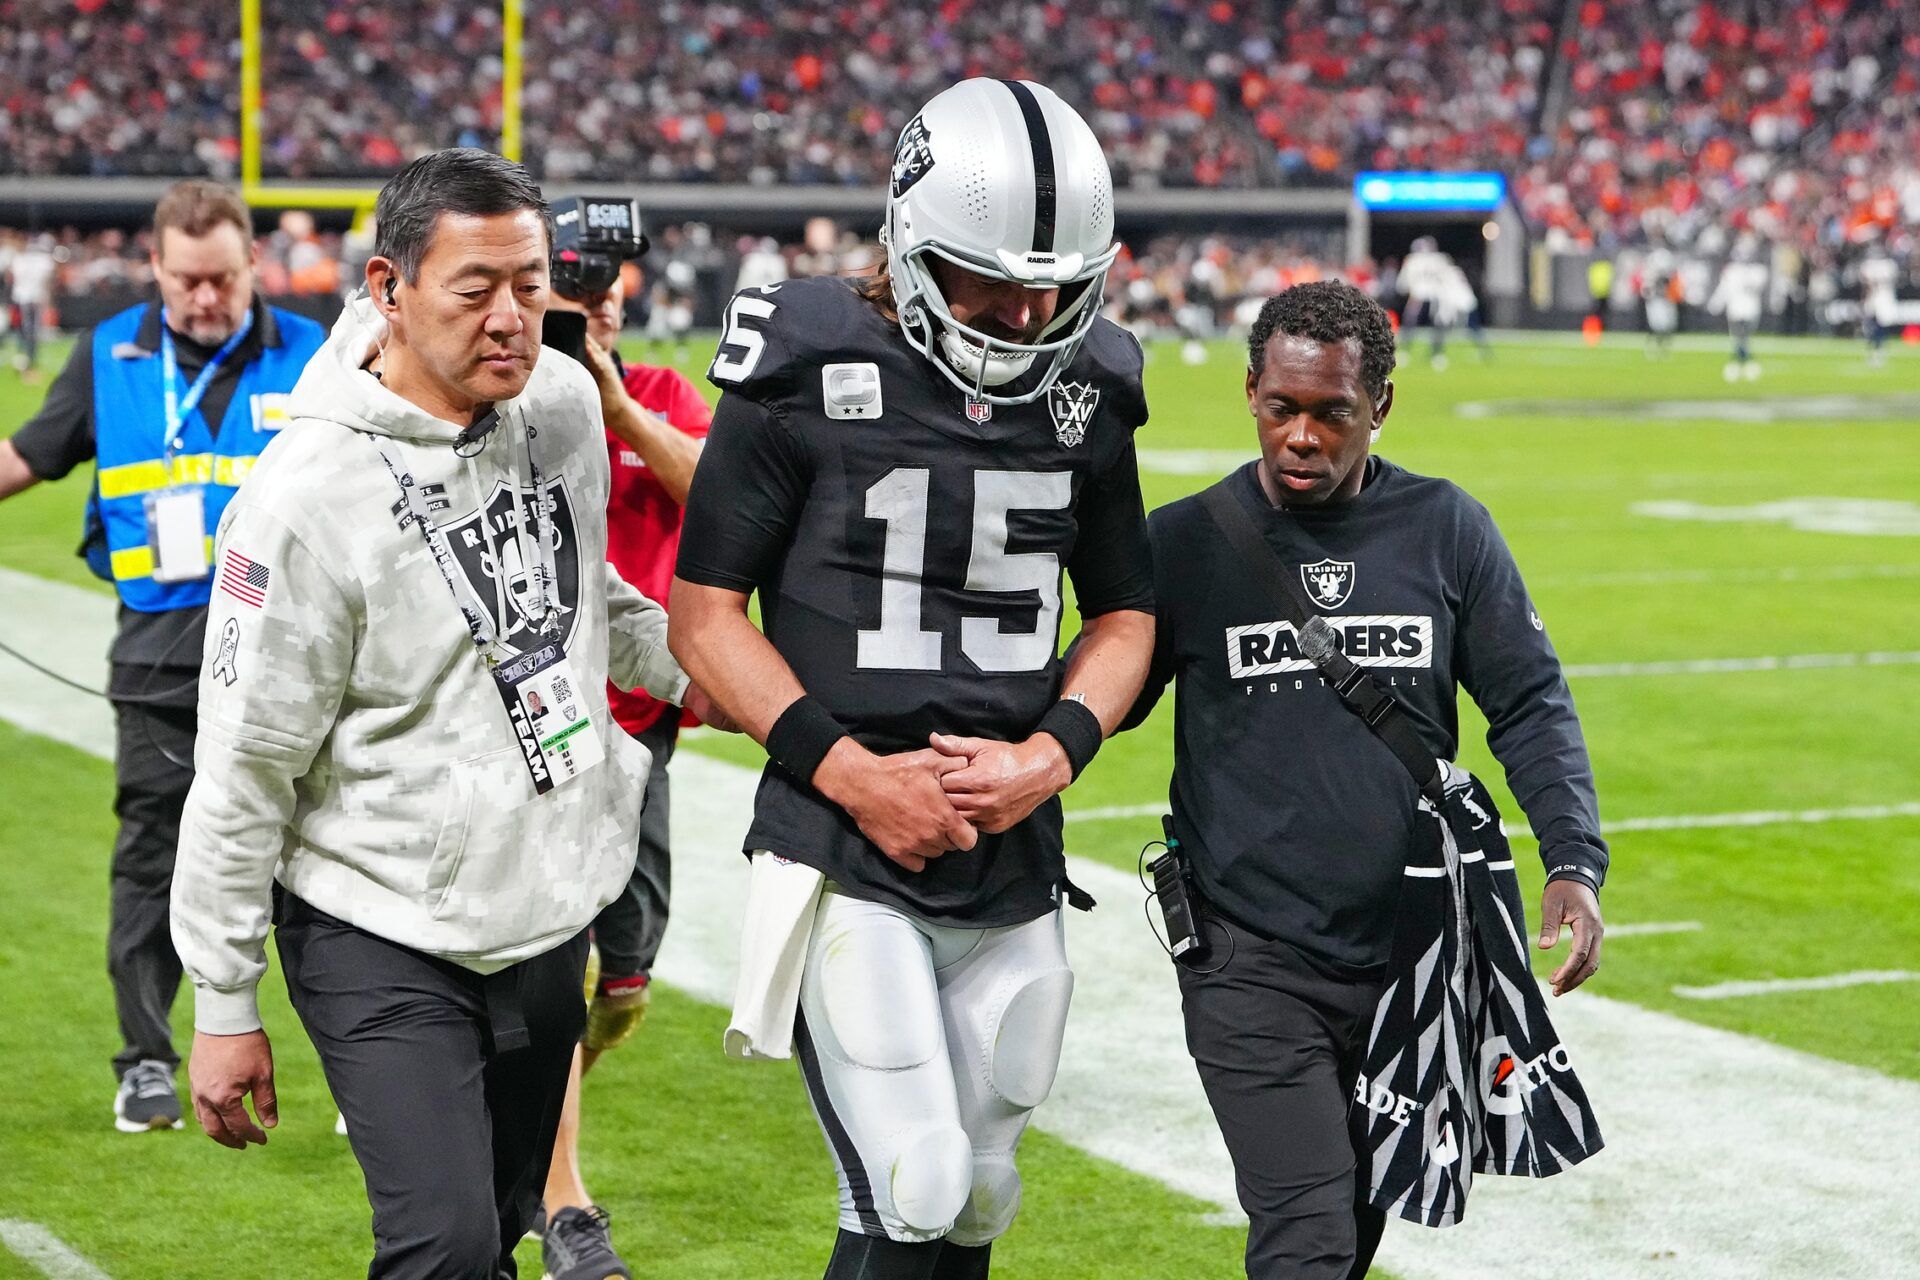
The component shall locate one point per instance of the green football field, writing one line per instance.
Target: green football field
(1730, 572)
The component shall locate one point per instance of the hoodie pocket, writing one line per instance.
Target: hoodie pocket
(450, 844)
(475, 859)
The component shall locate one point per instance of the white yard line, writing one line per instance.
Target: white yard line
(1690, 1112)
(1671, 822)
(1648, 928)
(1775, 986)
(1762, 818)
(45, 1252)
(1719, 577)
(1715, 666)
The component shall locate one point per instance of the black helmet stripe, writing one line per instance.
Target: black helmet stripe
(1045, 185)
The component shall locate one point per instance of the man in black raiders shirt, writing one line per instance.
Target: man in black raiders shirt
(901, 469)
(1296, 820)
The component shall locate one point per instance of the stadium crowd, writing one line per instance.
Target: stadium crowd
(1794, 121)
(1651, 121)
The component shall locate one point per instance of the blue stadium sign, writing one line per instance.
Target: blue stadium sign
(1430, 190)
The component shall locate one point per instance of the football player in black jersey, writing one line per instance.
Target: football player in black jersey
(902, 468)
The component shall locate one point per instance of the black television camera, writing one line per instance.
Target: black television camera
(591, 238)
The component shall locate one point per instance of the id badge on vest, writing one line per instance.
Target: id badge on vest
(548, 708)
(177, 533)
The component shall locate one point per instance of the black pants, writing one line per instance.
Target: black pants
(628, 929)
(1279, 1043)
(451, 1085)
(149, 792)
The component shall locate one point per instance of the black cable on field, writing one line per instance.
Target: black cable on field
(145, 694)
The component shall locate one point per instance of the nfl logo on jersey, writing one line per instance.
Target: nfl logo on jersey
(1072, 405)
(979, 410)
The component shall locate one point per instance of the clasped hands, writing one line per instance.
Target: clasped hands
(918, 805)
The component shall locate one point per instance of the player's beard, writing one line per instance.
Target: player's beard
(1006, 333)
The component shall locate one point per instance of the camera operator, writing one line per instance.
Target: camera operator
(655, 422)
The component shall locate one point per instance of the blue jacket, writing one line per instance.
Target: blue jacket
(129, 418)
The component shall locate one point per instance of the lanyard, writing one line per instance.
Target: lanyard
(179, 407)
(479, 627)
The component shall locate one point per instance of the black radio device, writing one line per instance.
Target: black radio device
(1173, 889)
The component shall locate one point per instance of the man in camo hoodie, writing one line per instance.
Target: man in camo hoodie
(405, 759)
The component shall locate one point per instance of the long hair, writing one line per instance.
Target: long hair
(877, 289)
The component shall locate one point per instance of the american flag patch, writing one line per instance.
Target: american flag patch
(243, 579)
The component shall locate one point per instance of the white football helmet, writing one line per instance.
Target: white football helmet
(1002, 178)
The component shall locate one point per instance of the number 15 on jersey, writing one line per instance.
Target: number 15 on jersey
(902, 642)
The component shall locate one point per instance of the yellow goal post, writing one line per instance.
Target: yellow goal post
(262, 195)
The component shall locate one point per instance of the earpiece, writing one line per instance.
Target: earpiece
(391, 282)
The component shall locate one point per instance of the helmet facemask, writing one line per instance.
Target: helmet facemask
(977, 362)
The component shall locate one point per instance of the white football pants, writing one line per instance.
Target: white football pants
(924, 1049)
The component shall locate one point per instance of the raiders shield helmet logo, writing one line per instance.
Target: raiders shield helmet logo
(1328, 582)
(520, 629)
(1072, 405)
(913, 157)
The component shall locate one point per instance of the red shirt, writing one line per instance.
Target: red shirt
(643, 520)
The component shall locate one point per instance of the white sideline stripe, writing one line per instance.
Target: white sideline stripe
(1678, 1101)
(1647, 928)
(1765, 818)
(1774, 986)
(1711, 666)
(46, 1252)
(1674, 822)
(1715, 577)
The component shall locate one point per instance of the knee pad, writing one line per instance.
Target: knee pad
(1026, 1044)
(931, 1177)
(992, 1201)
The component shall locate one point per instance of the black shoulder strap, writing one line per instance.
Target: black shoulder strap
(1363, 696)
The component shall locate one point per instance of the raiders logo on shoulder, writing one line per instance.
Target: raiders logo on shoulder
(1072, 405)
(913, 157)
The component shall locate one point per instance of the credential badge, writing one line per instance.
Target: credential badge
(1328, 582)
(1072, 405)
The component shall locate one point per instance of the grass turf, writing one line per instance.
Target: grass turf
(710, 1169)
(717, 1170)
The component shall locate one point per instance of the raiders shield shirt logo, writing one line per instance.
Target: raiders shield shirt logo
(1328, 582)
(519, 630)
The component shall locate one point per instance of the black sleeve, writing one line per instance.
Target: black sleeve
(1505, 661)
(746, 498)
(1111, 565)
(1160, 671)
(60, 436)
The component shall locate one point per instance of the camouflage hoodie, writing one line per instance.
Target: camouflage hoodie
(352, 745)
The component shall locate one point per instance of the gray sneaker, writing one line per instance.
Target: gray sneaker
(146, 1099)
(576, 1247)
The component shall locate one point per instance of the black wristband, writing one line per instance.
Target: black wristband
(802, 736)
(1571, 867)
(1076, 728)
